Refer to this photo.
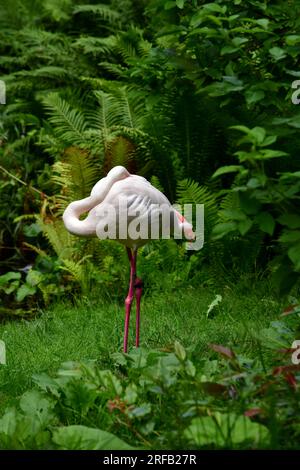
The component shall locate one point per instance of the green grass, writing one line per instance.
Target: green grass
(93, 331)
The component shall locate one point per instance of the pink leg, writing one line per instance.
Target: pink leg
(138, 294)
(129, 298)
(129, 254)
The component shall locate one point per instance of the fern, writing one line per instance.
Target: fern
(190, 192)
(43, 72)
(156, 183)
(78, 270)
(131, 104)
(60, 240)
(108, 114)
(102, 10)
(69, 124)
(116, 70)
(120, 151)
(95, 45)
(76, 175)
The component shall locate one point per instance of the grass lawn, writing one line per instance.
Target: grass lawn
(93, 331)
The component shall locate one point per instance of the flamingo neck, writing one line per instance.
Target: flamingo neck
(84, 228)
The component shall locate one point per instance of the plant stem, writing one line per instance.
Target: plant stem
(41, 193)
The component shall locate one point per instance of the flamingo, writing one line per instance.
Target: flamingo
(119, 197)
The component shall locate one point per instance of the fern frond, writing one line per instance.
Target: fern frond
(95, 46)
(190, 192)
(132, 107)
(119, 151)
(102, 10)
(156, 183)
(60, 240)
(69, 124)
(108, 114)
(76, 175)
(48, 72)
(144, 47)
(75, 268)
(114, 69)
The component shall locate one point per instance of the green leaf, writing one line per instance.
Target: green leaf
(290, 220)
(34, 403)
(256, 135)
(227, 169)
(244, 129)
(14, 285)
(253, 96)
(140, 411)
(290, 236)
(269, 140)
(131, 394)
(244, 226)
(238, 41)
(47, 383)
(32, 230)
(224, 430)
(233, 214)
(266, 154)
(79, 437)
(292, 121)
(263, 22)
(8, 424)
(275, 336)
(180, 3)
(5, 278)
(170, 4)
(222, 229)
(214, 7)
(228, 50)
(190, 368)
(266, 222)
(294, 255)
(292, 39)
(254, 183)
(80, 395)
(34, 278)
(259, 134)
(24, 291)
(277, 53)
(179, 351)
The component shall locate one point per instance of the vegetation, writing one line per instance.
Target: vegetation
(209, 396)
(201, 98)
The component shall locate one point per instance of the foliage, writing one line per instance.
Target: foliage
(164, 399)
(200, 98)
(168, 98)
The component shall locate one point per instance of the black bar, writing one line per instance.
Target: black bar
(134, 459)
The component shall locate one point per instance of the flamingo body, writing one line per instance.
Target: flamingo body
(115, 196)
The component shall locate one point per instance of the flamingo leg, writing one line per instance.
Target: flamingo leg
(129, 254)
(130, 295)
(138, 294)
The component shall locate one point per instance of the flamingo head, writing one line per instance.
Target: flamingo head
(186, 227)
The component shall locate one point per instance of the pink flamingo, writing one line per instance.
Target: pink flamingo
(114, 201)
